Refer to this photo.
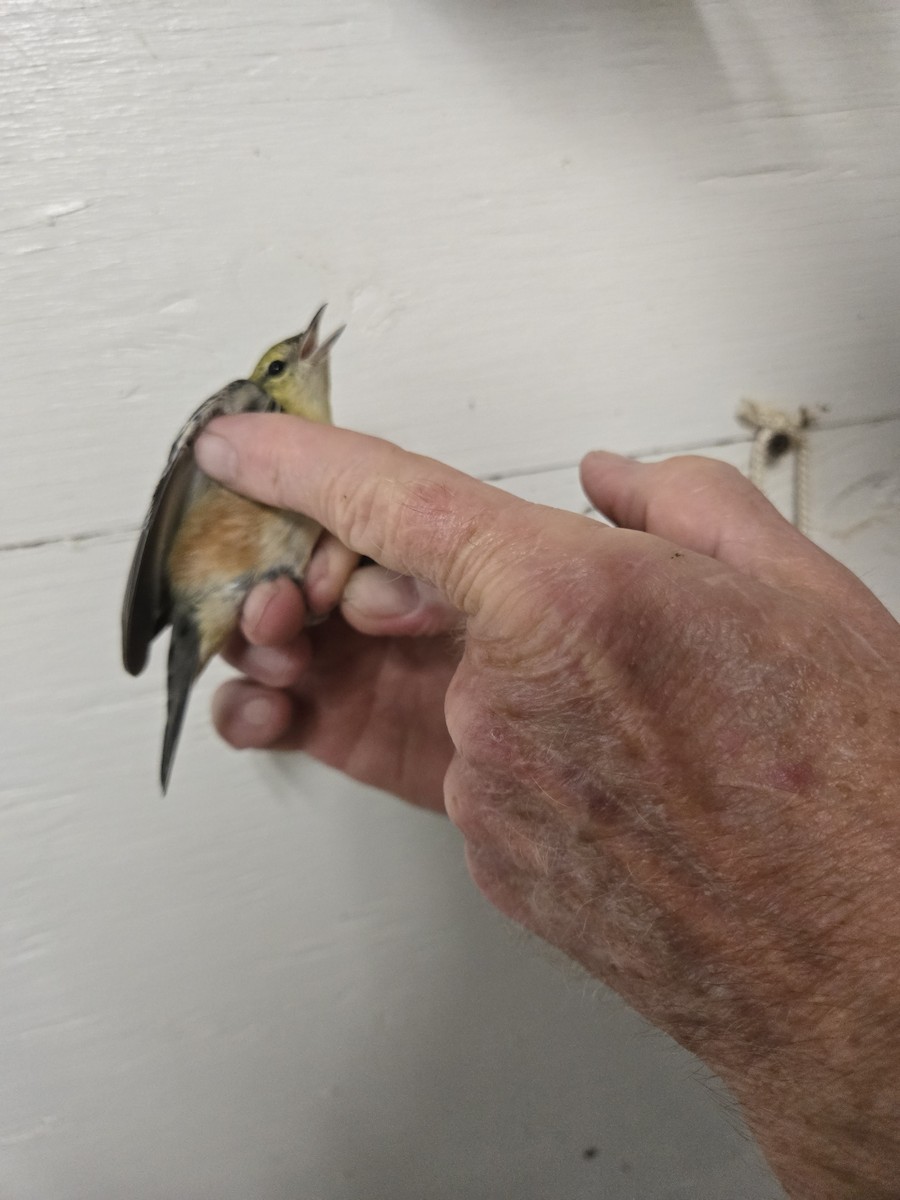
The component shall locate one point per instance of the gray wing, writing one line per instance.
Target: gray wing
(148, 607)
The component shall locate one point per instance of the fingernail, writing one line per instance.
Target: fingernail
(257, 712)
(316, 577)
(216, 456)
(256, 604)
(608, 456)
(378, 594)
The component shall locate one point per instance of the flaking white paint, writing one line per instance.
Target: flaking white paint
(549, 226)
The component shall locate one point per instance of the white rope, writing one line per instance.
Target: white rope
(777, 433)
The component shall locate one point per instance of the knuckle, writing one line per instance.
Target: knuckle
(428, 511)
(377, 512)
(484, 738)
(281, 485)
(425, 520)
(693, 470)
(279, 473)
(351, 505)
(458, 712)
(478, 733)
(461, 798)
(689, 478)
(394, 519)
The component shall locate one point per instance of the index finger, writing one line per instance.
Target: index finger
(410, 513)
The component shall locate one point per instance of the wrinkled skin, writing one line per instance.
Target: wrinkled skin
(671, 748)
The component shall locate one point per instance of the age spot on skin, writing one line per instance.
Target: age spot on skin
(793, 777)
(604, 815)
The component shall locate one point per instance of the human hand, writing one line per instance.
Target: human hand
(674, 753)
(372, 706)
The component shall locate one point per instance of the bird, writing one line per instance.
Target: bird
(202, 548)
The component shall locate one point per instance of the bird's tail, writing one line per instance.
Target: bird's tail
(184, 666)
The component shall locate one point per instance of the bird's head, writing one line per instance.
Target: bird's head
(295, 372)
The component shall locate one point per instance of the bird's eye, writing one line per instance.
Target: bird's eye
(276, 367)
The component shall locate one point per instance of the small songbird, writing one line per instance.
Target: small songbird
(202, 548)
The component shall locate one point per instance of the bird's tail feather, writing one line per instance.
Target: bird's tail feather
(184, 665)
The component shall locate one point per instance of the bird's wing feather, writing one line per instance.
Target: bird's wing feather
(147, 607)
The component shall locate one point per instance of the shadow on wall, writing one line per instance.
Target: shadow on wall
(760, 133)
(732, 56)
(587, 61)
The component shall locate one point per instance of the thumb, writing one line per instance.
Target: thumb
(412, 514)
(709, 507)
(696, 502)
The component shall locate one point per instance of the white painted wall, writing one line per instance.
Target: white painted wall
(550, 224)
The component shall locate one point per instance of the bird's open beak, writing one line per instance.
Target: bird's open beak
(322, 353)
(310, 350)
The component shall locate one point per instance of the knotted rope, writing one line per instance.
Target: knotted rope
(777, 433)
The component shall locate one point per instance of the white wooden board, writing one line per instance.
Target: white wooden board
(544, 222)
(276, 984)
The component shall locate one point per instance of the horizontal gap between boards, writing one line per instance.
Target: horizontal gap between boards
(120, 532)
